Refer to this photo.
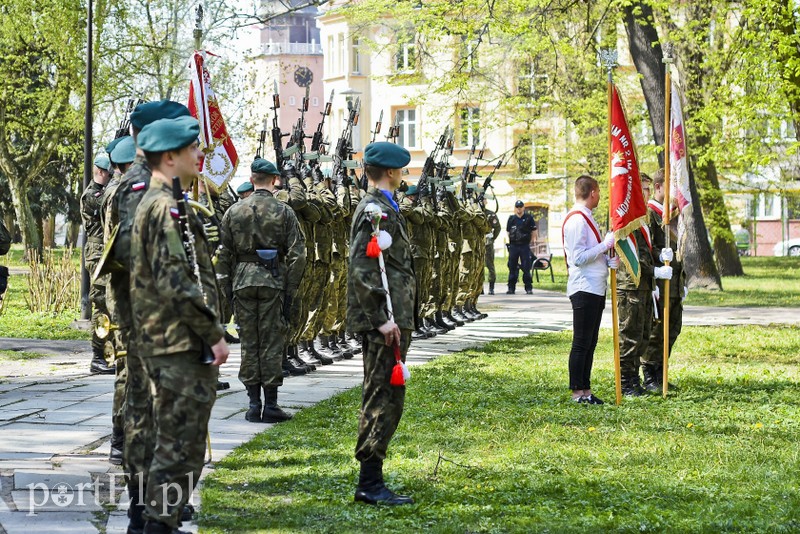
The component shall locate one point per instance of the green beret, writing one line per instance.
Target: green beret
(386, 155)
(164, 135)
(110, 146)
(262, 166)
(102, 162)
(149, 112)
(244, 188)
(412, 190)
(125, 151)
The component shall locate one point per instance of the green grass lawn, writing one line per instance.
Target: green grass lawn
(767, 282)
(720, 455)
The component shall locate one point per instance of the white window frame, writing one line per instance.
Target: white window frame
(404, 54)
(355, 56)
(472, 125)
(406, 124)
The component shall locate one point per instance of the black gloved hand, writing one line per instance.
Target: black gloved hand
(347, 179)
(318, 176)
(288, 171)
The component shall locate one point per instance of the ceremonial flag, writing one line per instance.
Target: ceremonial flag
(628, 210)
(220, 160)
(678, 158)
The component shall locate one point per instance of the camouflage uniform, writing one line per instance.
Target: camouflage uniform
(653, 359)
(173, 318)
(382, 404)
(323, 265)
(336, 303)
(261, 222)
(138, 419)
(494, 222)
(417, 214)
(219, 204)
(92, 251)
(635, 305)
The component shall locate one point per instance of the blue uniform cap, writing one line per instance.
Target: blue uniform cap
(412, 190)
(164, 135)
(244, 188)
(386, 155)
(149, 112)
(262, 166)
(110, 146)
(125, 151)
(102, 162)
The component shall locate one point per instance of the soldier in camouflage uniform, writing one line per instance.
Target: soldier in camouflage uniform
(174, 300)
(653, 358)
(421, 236)
(92, 251)
(494, 222)
(122, 155)
(635, 312)
(367, 313)
(260, 264)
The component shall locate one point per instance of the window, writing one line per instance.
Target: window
(533, 154)
(342, 55)
(469, 126)
(541, 154)
(788, 130)
(406, 58)
(469, 54)
(355, 65)
(407, 120)
(329, 56)
(315, 101)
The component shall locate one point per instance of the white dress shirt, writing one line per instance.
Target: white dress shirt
(588, 270)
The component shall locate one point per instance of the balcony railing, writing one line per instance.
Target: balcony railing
(297, 49)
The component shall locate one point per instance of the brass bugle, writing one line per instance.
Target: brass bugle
(103, 326)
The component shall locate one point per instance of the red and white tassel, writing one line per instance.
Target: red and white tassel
(400, 372)
(373, 250)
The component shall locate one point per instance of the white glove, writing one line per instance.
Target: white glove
(685, 293)
(663, 273)
(609, 240)
(666, 255)
(612, 262)
(657, 293)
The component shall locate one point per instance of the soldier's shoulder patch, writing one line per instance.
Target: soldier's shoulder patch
(98, 194)
(138, 186)
(174, 212)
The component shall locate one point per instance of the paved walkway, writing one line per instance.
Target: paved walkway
(55, 417)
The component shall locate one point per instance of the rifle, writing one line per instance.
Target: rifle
(297, 146)
(465, 174)
(125, 123)
(429, 168)
(394, 129)
(377, 129)
(487, 183)
(187, 238)
(262, 137)
(277, 136)
(317, 142)
(344, 147)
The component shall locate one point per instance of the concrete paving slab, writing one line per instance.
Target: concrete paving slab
(61, 499)
(48, 522)
(23, 479)
(19, 437)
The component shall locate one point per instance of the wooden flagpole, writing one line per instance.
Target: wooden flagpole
(667, 207)
(609, 59)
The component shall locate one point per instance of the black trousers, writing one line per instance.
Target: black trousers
(519, 254)
(587, 312)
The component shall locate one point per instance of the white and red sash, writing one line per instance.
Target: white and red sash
(589, 222)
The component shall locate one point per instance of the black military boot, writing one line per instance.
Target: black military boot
(371, 488)
(430, 323)
(441, 322)
(350, 339)
(481, 315)
(466, 311)
(460, 315)
(631, 386)
(418, 334)
(117, 442)
(491, 288)
(454, 320)
(344, 348)
(157, 527)
(317, 356)
(652, 378)
(99, 366)
(292, 367)
(511, 289)
(272, 412)
(295, 353)
(254, 412)
(324, 348)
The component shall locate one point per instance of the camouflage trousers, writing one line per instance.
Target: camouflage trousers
(489, 262)
(434, 294)
(301, 305)
(262, 335)
(97, 296)
(336, 303)
(139, 429)
(464, 271)
(452, 279)
(185, 393)
(118, 402)
(422, 268)
(478, 260)
(635, 311)
(320, 278)
(381, 403)
(654, 355)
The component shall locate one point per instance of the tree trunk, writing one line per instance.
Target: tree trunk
(698, 257)
(647, 55)
(28, 228)
(73, 230)
(49, 233)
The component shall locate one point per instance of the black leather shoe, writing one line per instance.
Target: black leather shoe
(433, 327)
(117, 443)
(322, 359)
(292, 367)
(382, 495)
(230, 338)
(253, 414)
(223, 385)
(633, 390)
(510, 292)
(442, 323)
(416, 335)
(354, 343)
(187, 514)
(591, 399)
(529, 291)
(457, 322)
(100, 367)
